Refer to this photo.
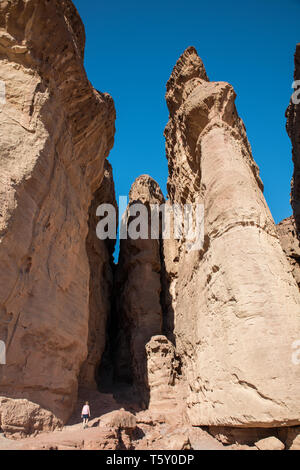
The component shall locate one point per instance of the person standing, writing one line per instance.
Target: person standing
(86, 414)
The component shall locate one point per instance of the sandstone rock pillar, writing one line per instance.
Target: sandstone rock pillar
(139, 288)
(235, 302)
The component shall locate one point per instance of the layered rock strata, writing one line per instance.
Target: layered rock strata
(55, 133)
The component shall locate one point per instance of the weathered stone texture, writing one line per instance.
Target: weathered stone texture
(100, 255)
(138, 287)
(163, 373)
(55, 133)
(287, 232)
(235, 304)
(293, 130)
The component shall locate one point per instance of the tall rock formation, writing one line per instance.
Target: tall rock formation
(55, 133)
(289, 229)
(293, 130)
(235, 304)
(138, 284)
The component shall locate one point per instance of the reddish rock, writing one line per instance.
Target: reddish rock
(18, 418)
(55, 133)
(119, 419)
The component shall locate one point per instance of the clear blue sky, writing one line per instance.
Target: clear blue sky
(132, 47)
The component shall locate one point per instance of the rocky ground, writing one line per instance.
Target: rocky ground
(121, 425)
(117, 426)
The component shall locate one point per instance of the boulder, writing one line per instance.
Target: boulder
(18, 418)
(119, 419)
(271, 443)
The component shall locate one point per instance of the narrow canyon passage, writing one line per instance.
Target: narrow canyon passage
(136, 314)
(187, 338)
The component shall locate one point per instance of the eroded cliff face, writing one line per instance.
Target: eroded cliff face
(55, 133)
(234, 304)
(293, 130)
(287, 232)
(100, 255)
(289, 229)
